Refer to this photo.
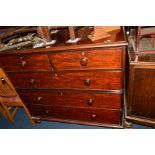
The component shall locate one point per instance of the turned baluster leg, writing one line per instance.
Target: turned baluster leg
(44, 33)
(72, 35)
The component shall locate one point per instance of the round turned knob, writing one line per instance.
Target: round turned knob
(87, 82)
(93, 116)
(90, 101)
(61, 93)
(47, 111)
(32, 81)
(84, 61)
(2, 79)
(39, 98)
(23, 63)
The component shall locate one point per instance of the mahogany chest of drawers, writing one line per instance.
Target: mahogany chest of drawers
(81, 84)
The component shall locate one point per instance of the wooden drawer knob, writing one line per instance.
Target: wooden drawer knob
(23, 63)
(2, 79)
(32, 81)
(39, 98)
(93, 116)
(87, 82)
(47, 111)
(84, 61)
(90, 101)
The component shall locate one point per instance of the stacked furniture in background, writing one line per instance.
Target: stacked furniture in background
(141, 91)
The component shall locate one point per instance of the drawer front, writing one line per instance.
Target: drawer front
(25, 62)
(81, 80)
(101, 59)
(74, 99)
(80, 114)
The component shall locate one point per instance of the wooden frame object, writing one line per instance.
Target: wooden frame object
(9, 98)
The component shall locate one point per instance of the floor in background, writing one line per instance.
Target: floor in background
(22, 122)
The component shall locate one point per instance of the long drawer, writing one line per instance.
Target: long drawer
(80, 114)
(104, 80)
(74, 99)
(25, 62)
(88, 59)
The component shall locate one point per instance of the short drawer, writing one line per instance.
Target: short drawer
(68, 98)
(81, 80)
(91, 59)
(79, 114)
(28, 62)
